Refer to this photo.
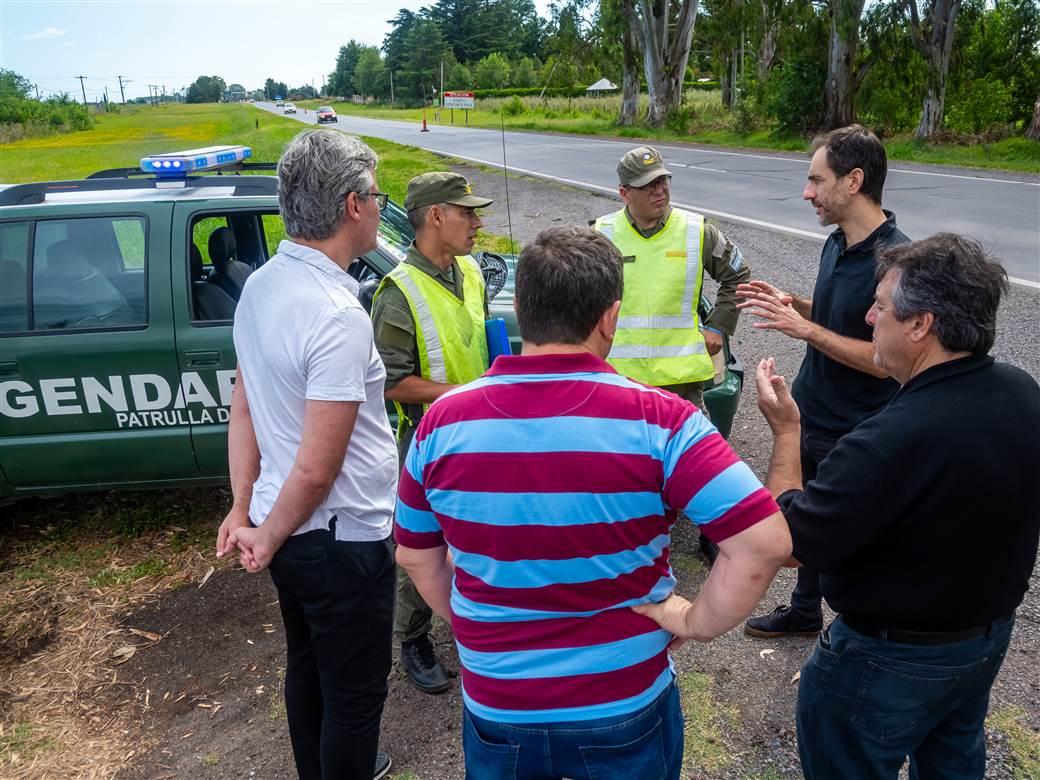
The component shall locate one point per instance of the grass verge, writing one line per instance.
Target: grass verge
(21, 744)
(121, 140)
(707, 721)
(709, 124)
(1023, 741)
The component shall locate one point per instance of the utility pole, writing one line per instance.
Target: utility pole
(441, 97)
(37, 88)
(391, 88)
(82, 89)
(121, 85)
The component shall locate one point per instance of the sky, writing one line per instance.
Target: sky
(170, 44)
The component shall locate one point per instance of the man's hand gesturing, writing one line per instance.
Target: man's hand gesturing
(775, 401)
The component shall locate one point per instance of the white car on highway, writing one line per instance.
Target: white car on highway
(289, 109)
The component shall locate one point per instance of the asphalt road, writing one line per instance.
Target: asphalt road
(765, 190)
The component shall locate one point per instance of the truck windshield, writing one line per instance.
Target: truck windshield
(395, 231)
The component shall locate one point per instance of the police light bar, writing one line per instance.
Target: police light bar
(194, 160)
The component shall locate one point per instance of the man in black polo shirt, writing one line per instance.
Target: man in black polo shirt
(838, 385)
(924, 620)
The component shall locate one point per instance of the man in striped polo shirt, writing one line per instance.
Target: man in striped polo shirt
(554, 482)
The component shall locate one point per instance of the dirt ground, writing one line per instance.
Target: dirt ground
(128, 651)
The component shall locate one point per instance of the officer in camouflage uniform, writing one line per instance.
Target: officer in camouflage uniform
(661, 339)
(428, 318)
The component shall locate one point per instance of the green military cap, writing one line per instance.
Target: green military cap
(441, 187)
(640, 167)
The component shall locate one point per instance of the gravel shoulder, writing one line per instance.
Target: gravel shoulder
(206, 699)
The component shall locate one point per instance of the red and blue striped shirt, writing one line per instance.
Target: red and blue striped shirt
(554, 481)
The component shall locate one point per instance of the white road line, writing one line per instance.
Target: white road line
(709, 150)
(1024, 282)
(689, 207)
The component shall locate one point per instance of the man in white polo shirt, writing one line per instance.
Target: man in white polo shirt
(313, 461)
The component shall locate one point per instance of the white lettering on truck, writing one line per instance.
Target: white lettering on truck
(149, 405)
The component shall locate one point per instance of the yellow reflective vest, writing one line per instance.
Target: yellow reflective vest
(658, 340)
(449, 333)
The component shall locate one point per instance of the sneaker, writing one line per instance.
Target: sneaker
(783, 621)
(422, 666)
(383, 763)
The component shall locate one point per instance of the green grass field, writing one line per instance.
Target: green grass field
(121, 140)
(710, 124)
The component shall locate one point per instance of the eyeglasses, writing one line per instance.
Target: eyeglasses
(381, 199)
(660, 183)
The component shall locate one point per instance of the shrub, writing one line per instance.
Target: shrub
(514, 107)
(794, 94)
(979, 105)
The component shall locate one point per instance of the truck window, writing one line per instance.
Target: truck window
(88, 273)
(14, 288)
(224, 249)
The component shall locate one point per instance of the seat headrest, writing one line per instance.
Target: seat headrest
(198, 271)
(66, 258)
(222, 246)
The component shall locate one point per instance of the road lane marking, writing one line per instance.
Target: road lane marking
(700, 209)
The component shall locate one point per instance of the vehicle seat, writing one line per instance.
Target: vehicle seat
(228, 273)
(13, 315)
(198, 270)
(211, 302)
(72, 293)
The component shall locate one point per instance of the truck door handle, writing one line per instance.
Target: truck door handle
(202, 359)
(9, 370)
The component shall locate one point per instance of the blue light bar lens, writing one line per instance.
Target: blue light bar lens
(179, 164)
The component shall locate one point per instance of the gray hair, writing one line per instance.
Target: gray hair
(417, 217)
(954, 279)
(315, 174)
(565, 280)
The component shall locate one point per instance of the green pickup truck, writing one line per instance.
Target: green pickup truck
(117, 294)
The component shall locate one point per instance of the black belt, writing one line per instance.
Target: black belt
(905, 637)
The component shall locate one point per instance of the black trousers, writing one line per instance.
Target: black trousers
(337, 602)
(806, 600)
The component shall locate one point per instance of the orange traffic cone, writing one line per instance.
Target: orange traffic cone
(425, 129)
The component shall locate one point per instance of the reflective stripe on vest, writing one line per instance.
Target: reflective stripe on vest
(435, 368)
(660, 348)
(440, 316)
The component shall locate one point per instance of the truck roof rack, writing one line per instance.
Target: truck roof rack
(135, 178)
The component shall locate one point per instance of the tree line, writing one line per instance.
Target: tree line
(926, 66)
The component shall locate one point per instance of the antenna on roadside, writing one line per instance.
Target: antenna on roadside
(505, 174)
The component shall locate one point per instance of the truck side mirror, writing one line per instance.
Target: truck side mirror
(496, 273)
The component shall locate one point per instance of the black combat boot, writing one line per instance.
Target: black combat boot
(424, 670)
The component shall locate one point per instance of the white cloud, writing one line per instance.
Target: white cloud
(46, 34)
(66, 44)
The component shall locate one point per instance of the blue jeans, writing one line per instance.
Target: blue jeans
(646, 744)
(865, 704)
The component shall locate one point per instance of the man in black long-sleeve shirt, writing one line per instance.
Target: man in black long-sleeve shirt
(924, 623)
(838, 384)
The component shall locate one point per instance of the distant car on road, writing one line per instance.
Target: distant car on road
(326, 114)
(279, 103)
(289, 108)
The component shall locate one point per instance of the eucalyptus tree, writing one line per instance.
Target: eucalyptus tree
(662, 30)
(932, 36)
